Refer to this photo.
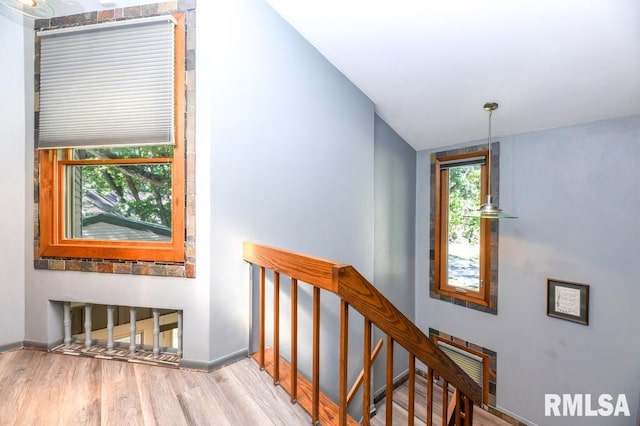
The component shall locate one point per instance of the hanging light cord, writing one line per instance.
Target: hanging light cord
(489, 156)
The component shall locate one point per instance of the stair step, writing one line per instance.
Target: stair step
(400, 407)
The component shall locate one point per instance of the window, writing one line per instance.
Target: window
(111, 141)
(474, 362)
(462, 252)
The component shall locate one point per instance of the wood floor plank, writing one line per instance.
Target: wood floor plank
(235, 400)
(38, 388)
(196, 412)
(120, 403)
(328, 409)
(158, 399)
(46, 391)
(16, 372)
(270, 398)
(81, 401)
(400, 417)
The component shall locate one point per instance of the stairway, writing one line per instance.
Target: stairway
(400, 404)
(357, 295)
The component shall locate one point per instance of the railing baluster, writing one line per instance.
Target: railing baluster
(315, 413)
(412, 389)
(429, 396)
(156, 332)
(345, 282)
(262, 315)
(344, 358)
(457, 406)
(389, 390)
(366, 390)
(294, 340)
(87, 325)
(132, 319)
(445, 401)
(110, 327)
(179, 353)
(468, 411)
(66, 306)
(360, 379)
(276, 328)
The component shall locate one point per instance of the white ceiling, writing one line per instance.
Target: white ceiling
(429, 66)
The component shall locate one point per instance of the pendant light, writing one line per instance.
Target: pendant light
(34, 9)
(490, 210)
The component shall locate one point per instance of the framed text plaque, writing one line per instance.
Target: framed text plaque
(567, 300)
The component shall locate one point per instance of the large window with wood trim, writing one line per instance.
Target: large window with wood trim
(462, 261)
(110, 136)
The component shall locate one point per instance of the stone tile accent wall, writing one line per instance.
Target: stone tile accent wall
(114, 266)
(495, 187)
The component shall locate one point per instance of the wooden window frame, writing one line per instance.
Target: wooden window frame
(51, 174)
(482, 297)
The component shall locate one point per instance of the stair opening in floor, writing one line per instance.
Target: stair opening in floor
(140, 334)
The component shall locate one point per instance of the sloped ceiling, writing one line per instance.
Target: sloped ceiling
(429, 66)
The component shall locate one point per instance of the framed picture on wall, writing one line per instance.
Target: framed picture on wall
(568, 300)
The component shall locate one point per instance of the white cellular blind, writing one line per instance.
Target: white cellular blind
(470, 363)
(107, 85)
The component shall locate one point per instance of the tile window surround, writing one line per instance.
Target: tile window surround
(495, 182)
(173, 269)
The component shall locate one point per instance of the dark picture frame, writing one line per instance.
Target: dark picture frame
(568, 300)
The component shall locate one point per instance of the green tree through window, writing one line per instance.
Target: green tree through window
(464, 231)
(135, 195)
(462, 243)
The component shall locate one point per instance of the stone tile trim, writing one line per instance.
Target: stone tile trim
(184, 269)
(495, 189)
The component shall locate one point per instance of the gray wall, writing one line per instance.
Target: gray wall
(576, 191)
(44, 319)
(292, 150)
(12, 165)
(394, 237)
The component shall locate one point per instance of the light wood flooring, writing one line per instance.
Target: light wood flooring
(39, 388)
(401, 400)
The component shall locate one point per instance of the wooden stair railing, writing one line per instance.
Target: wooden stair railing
(356, 292)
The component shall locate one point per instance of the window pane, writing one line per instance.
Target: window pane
(151, 151)
(118, 202)
(463, 242)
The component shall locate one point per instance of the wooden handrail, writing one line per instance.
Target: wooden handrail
(366, 299)
(355, 291)
(312, 270)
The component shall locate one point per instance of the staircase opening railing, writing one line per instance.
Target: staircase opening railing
(354, 291)
(106, 329)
